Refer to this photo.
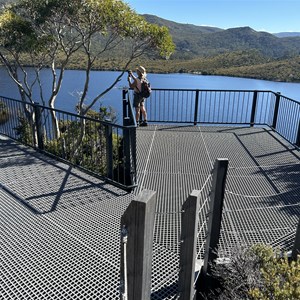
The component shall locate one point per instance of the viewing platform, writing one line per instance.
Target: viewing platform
(61, 213)
(60, 228)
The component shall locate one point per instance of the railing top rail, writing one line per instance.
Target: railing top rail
(285, 97)
(212, 90)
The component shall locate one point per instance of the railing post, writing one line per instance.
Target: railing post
(127, 153)
(298, 136)
(129, 143)
(125, 103)
(109, 151)
(196, 107)
(215, 214)
(296, 247)
(38, 124)
(137, 225)
(190, 218)
(253, 111)
(133, 174)
(276, 108)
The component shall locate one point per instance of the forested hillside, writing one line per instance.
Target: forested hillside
(194, 41)
(210, 50)
(240, 52)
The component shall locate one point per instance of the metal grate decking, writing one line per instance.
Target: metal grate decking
(262, 199)
(60, 227)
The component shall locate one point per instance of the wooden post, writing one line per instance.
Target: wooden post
(296, 247)
(137, 225)
(215, 214)
(190, 219)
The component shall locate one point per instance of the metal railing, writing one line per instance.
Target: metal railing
(100, 147)
(228, 107)
(109, 149)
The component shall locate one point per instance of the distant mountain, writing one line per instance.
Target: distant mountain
(177, 28)
(287, 34)
(194, 41)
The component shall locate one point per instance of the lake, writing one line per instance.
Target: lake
(74, 79)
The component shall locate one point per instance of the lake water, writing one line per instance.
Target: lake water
(74, 80)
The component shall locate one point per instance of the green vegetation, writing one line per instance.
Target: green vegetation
(4, 113)
(90, 152)
(249, 64)
(57, 34)
(24, 131)
(257, 273)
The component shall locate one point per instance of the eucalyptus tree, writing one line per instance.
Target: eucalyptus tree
(50, 33)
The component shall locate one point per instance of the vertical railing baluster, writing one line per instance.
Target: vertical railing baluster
(196, 107)
(109, 151)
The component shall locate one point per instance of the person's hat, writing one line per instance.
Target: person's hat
(142, 70)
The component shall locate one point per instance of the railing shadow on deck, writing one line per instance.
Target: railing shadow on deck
(65, 197)
(64, 191)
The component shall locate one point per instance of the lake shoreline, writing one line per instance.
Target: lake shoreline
(153, 70)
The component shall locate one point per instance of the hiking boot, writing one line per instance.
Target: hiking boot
(144, 123)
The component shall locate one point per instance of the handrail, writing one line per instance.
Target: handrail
(118, 142)
(228, 107)
(97, 146)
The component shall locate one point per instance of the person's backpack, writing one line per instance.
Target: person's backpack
(146, 89)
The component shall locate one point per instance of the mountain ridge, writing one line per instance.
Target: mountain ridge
(192, 40)
(207, 50)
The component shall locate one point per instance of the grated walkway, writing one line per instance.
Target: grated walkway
(60, 227)
(262, 198)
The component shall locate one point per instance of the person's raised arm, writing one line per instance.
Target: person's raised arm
(131, 84)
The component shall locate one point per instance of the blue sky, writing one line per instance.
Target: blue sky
(262, 15)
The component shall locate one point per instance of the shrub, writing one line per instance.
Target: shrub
(4, 113)
(280, 278)
(24, 131)
(257, 273)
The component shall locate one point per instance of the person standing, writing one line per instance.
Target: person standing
(138, 101)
